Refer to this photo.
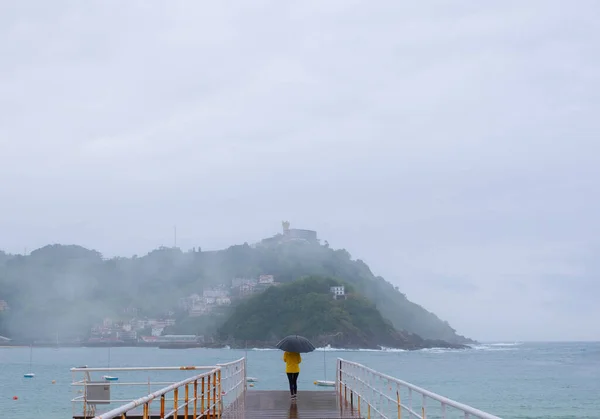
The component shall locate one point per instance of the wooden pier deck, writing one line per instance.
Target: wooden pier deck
(360, 392)
(256, 404)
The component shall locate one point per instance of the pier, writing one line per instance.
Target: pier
(221, 392)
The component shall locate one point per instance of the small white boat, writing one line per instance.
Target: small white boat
(109, 377)
(325, 383)
(30, 374)
(251, 379)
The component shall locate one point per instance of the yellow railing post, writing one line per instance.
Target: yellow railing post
(368, 411)
(202, 405)
(208, 402)
(423, 412)
(220, 393)
(214, 395)
(187, 400)
(175, 402)
(195, 399)
(162, 407)
(146, 410)
(399, 405)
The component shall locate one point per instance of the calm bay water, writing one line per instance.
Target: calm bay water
(514, 381)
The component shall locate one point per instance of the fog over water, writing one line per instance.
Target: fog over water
(452, 148)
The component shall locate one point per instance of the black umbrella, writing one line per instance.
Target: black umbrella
(295, 343)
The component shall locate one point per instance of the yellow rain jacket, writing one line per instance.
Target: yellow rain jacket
(292, 361)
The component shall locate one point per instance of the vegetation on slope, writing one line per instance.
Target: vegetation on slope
(306, 307)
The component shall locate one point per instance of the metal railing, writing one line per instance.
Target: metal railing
(205, 394)
(378, 395)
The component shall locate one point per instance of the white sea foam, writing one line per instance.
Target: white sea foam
(496, 346)
(479, 347)
(505, 344)
(382, 349)
(439, 350)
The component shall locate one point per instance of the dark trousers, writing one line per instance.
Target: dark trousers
(293, 379)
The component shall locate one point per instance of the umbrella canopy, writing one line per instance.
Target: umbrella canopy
(295, 343)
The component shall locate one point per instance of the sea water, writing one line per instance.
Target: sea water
(511, 380)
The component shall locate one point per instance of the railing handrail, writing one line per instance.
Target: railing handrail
(226, 364)
(180, 368)
(444, 400)
(228, 380)
(149, 397)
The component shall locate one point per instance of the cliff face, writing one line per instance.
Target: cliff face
(306, 307)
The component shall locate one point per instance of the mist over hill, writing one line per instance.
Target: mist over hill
(64, 290)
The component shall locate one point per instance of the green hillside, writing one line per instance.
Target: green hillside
(306, 307)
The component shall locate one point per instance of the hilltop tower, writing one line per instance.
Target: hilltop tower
(286, 227)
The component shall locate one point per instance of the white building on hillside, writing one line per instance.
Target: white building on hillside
(214, 293)
(223, 301)
(266, 279)
(339, 292)
(187, 302)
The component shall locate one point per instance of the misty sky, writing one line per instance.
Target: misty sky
(453, 146)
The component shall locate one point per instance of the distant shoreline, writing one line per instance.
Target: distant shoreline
(196, 346)
(114, 345)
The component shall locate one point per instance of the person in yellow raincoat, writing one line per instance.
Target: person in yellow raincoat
(292, 369)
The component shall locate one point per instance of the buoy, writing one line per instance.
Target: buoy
(15, 398)
(53, 381)
(251, 385)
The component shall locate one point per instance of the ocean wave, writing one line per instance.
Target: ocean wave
(382, 349)
(439, 350)
(478, 347)
(505, 344)
(496, 346)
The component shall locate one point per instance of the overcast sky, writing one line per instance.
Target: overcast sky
(453, 146)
